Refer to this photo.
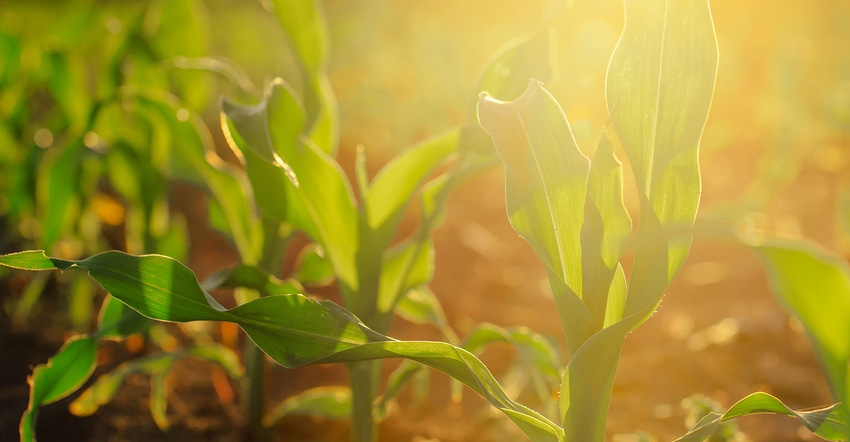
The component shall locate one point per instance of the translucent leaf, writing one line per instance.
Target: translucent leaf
(546, 177)
(394, 186)
(312, 268)
(829, 422)
(814, 286)
(405, 266)
(530, 57)
(329, 215)
(606, 228)
(659, 87)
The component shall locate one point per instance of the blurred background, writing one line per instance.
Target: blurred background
(774, 155)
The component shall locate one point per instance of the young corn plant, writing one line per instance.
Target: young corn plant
(659, 87)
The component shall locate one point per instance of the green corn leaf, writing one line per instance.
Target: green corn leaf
(421, 306)
(534, 348)
(330, 402)
(406, 266)
(328, 212)
(181, 29)
(546, 187)
(659, 88)
(116, 320)
(814, 286)
(829, 422)
(292, 329)
(304, 24)
(546, 177)
(606, 228)
(252, 277)
(394, 186)
(58, 190)
(312, 268)
(406, 372)
(63, 374)
(194, 159)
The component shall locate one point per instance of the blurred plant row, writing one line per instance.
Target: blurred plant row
(104, 114)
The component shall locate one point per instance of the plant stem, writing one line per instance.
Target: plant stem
(363, 377)
(253, 393)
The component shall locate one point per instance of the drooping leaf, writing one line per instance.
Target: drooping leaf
(828, 422)
(529, 57)
(330, 402)
(546, 177)
(292, 329)
(546, 186)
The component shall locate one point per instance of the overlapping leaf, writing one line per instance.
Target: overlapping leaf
(292, 329)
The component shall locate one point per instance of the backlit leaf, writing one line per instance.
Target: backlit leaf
(659, 88)
(829, 422)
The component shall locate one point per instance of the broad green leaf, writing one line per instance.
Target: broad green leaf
(546, 177)
(606, 228)
(814, 286)
(461, 365)
(292, 329)
(330, 402)
(538, 357)
(659, 88)
(534, 348)
(828, 422)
